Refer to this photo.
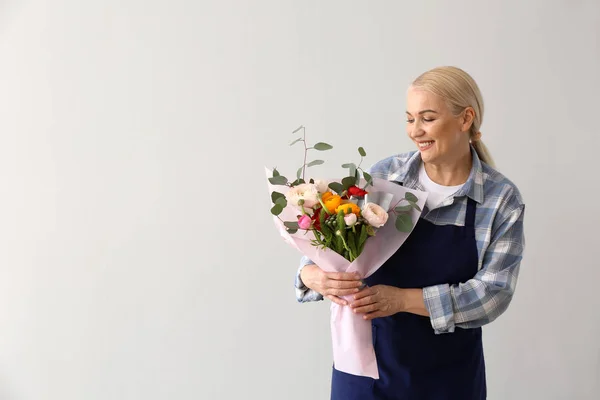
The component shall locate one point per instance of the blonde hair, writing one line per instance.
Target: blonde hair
(460, 91)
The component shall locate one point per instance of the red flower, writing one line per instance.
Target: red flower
(356, 191)
(316, 220)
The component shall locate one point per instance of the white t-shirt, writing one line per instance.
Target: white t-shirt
(437, 192)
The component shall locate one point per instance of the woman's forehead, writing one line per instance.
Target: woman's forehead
(419, 99)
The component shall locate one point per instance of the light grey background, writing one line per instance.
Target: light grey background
(138, 259)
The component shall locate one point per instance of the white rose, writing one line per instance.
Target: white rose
(374, 214)
(322, 186)
(305, 191)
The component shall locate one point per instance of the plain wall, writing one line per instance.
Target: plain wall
(138, 258)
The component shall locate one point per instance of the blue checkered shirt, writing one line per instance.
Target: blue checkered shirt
(498, 232)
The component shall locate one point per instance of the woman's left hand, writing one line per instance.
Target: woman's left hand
(377, 301)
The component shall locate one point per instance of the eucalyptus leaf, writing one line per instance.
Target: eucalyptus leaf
(336, 187)
(362, 152)
(404, 223)
(275, 172)
(297, 182)
(278, 180)
(276, 195)
(295, 141)
(292, 231)
(281, 202)
(315, 162)
(411, 197)
(368, 178)
(299, 172)
(276, 209)
(322, 146)
(298, 129)
(415, 206)
(348, 181)
(291, 224)
(402, 209)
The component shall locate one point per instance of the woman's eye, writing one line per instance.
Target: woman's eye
(410, 121)
(428, 119)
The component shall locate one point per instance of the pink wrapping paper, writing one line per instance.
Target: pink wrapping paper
(351, 335)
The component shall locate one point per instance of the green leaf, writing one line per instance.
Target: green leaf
(322, 146)
(348, 181)
(276, 209)
(368, 178)
(404, 223)
(281, 201)
(275, 172)
(415, 206)
(278, 180)
(402, 209)
(362, 238)
(411, 197)
(336, 187)
(299, 172)
(362, 152)
(315, 162)
(276, 195)
(291, 224)
(297, 129)
(311, 180)
(295, 141)
(297, 182)
(292, 231)
(357, 175)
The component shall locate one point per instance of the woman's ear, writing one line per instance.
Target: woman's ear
(468, 116)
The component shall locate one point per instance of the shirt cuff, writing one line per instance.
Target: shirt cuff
(303, 293)
(438, 301)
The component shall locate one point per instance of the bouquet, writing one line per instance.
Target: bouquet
(344, 225)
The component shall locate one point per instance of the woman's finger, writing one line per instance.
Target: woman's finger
(363, 302)
(343, 284)
(368, 291)
(337, 300)
(343, 276)
(341, 292)
(367, 309)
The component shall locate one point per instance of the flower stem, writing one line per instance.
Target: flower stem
(305, 151)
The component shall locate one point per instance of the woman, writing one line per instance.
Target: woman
(458, 269)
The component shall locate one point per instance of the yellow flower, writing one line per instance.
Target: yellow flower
(348, 208)
(331, 201)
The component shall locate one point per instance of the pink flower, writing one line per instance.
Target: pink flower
(374, 214)
(304, 222)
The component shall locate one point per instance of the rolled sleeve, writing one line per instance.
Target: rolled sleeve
(303, 293)
(484, 298)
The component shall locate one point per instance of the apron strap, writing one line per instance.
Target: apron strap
(470, 214)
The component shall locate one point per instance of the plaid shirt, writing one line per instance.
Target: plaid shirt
(498, 233)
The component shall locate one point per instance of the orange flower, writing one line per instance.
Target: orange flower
(331, 201)
(348, 208)
(326, 195)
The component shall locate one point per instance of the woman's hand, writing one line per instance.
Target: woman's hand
(331, 285)
(382, 301)
(377, 301)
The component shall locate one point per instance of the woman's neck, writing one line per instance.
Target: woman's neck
(450, 173)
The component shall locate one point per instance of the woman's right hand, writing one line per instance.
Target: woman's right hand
(332, 285)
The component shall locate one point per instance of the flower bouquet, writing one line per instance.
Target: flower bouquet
(353, 224)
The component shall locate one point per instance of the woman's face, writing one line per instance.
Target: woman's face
(440, 136)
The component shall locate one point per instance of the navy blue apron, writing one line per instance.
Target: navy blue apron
(415, 363)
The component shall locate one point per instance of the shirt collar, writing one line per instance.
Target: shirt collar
(408, 175)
